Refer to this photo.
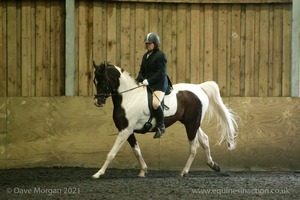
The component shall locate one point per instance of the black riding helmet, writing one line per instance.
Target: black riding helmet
(152, 38)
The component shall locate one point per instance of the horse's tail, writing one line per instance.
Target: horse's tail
(227, 126)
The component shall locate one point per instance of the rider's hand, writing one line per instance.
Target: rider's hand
(145, 82)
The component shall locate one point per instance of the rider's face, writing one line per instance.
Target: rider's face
(149, 46)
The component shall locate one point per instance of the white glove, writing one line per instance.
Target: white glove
(145, 82)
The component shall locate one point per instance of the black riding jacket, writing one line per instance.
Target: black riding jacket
(153, 69)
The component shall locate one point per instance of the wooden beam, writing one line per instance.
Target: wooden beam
(205, 1)
(295, 72)
(70, 47)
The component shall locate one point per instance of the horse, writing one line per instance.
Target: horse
(187, 103)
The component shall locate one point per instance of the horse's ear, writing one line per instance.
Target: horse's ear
(105, 67)
(95, 66)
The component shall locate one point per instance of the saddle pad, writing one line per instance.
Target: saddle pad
(170, 100)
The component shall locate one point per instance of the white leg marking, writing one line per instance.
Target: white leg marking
(204, 142)
(122, 137)
(193, 151)
(137, 151)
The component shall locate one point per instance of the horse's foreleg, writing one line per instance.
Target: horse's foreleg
(193, 151)
(204, 142)
(122, 136)
(137, 152)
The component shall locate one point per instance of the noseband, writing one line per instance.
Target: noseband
(107, 92)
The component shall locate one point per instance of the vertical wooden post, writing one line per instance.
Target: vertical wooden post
(295, 85)
(70, 47)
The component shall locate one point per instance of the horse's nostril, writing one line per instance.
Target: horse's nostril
(98, 103)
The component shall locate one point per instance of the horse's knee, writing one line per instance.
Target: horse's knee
(137, 151)
(110, 156)
(193, 152)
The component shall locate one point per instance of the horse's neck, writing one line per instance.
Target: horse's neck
(126, 83)
(131, 93)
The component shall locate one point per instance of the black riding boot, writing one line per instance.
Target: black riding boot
(159, 116)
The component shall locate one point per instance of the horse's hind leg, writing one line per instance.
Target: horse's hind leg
(204, 142)
(137, 151)
(193, 151)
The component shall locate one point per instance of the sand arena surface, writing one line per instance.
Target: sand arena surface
(76, 183)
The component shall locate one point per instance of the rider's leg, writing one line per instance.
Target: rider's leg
(158, 97)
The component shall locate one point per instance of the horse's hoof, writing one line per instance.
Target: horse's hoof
(184, 174)
(214, 166)
(141, 176)
(96, 176)
(142, 173)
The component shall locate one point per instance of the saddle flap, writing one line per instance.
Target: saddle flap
(169, 102)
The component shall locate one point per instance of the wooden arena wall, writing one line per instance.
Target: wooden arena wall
(243, 45)
(32, 52)
(71, 131)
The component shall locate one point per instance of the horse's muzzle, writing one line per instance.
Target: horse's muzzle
(99, 103)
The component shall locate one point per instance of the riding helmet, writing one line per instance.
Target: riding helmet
(152, 38)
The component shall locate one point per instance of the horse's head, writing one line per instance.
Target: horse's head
(106, 82)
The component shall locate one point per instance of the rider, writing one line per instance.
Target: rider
(153, 73)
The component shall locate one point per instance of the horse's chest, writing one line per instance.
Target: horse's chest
(119, 117)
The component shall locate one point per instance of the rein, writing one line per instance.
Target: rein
(118, 93)
(129, 90)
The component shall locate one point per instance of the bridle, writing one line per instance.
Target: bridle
(110, 90)
(105, 94)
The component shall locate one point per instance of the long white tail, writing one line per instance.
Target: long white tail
(227, 126)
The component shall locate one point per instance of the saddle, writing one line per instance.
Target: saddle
(148, 125)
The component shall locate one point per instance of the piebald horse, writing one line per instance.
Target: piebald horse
(187, 103)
